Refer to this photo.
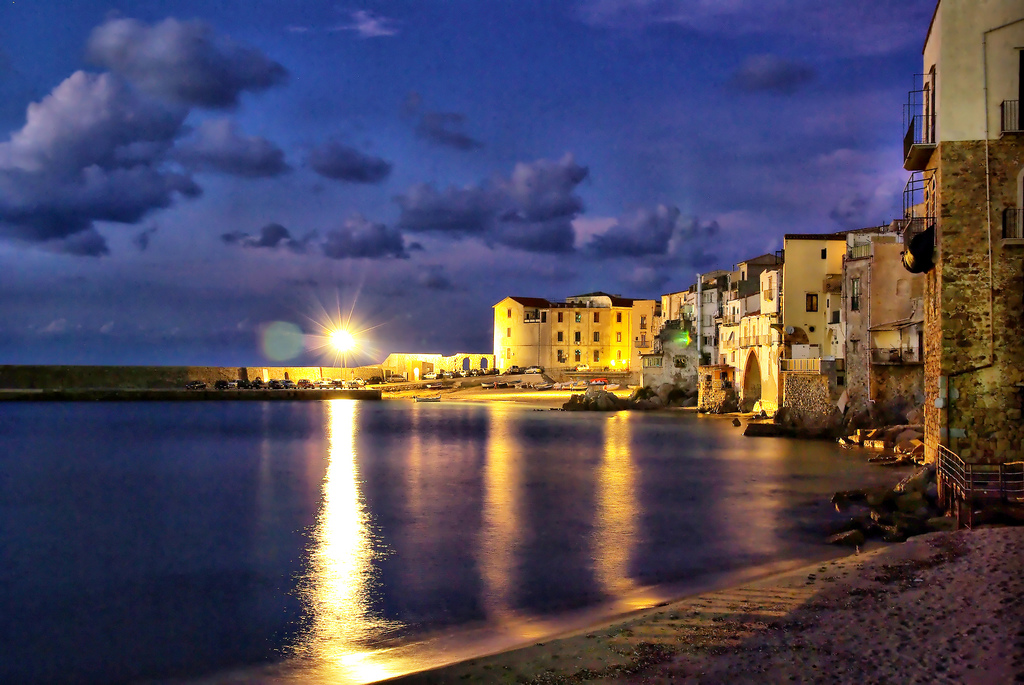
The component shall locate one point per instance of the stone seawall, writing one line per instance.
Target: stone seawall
(163, 377)
(178, 395)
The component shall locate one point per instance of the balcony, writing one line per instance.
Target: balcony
(1013, 225)
(801, 365)
(1011, 122)
(755, 340)
(919, 122)
(895, 356)
(860, 251)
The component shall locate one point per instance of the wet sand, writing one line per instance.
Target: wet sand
(940, 608)
(541, 399)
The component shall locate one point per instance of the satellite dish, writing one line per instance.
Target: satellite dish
(790, 330)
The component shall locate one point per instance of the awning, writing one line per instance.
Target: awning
(896, 325)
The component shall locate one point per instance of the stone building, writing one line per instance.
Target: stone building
(605, 332)
(760, 348)
(413, 365)
(964, 213)
(883, 312)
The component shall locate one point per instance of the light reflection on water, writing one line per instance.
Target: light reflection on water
(616, 515)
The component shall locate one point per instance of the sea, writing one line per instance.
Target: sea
(348, 542)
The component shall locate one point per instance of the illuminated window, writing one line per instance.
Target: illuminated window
(579, 318)
(618, 317)
(559, 317)
(618, 336)
(643, 322)
(577, 338)
(508, 332)
(597, 356)
(577, 355)
(620, 354)
(812, 302)
(560, 334)
(509, 313)
(597, 317)
(597, 336)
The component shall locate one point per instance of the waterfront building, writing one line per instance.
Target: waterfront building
(883, 313)
(964, 214)
(605, 332)
(760, 347)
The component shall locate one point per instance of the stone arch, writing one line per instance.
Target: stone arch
(752, 380)
(466, 363)
(483, 363)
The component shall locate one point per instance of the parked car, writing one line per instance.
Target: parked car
(288, 384)
(221, 385)
(534, 369)
(512, 370)
(304, 384)
(244, 385)
(257, 384)
(583, 367)
(195, 385)
(232, 385)
(275, 384)
(445, 374)
(429, 376)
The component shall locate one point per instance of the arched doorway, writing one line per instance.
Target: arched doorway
(483, 363)
(465, 364)
(751, 381)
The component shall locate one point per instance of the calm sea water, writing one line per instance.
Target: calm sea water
(346, 542)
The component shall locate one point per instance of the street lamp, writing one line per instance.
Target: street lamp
(342, 341)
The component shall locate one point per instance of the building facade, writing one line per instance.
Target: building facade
(964, 213)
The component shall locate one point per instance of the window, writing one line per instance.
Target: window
(560, 336)
(508, 332)
(619, 354)
(579, 318)
(543, 317)
(824, 253)
(561, 356)
(508, 353)
(618, 336)
(576, 338)
(597, 317)
(643, 322)
(597, 356)
(812, 302)
(855, 295)
(597, 336)
(854, 345)
(508, 313)
(618, 317)
(559, 317)
(577, 355)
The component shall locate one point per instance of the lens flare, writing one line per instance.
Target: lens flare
(342, 340)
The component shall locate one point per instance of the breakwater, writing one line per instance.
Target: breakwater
(177, 395)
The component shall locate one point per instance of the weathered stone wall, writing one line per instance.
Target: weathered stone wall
(893, 384)
(976, 311)
(858, 341)
(713, 391)
(807, 393)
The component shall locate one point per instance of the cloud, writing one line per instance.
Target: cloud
(88, 243)
(662, 231)
(343, 163)
(217, 145)
(369, 25)
(442, 128)
(142, 239)
(773, 74)
(645, 278)
(272, 236)
(182, 61)
(533, 209)
(361, 238)
(434, 278)
(882, 26)
(107, 328)
(92, 150)
(54, 327)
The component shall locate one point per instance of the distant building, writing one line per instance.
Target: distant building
(413, 365)
(964, 215)
(606, 332)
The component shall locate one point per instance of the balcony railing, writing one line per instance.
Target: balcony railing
(895, 356)
(919, 123)
(1013, 224)
(1011, 122)
(802, 365)
(755, 340)
(859, 251)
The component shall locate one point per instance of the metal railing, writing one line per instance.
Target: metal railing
(802, 365)
(1013, 223)
(895, 355)
(971, 482)
(755, 340)
(860, 251)
(921, 131)
(1011, 122)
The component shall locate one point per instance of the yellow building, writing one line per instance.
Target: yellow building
(604, 332)
(814, 264)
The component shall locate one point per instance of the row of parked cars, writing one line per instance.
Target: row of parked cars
(458, 374)
(518, 369)
(286, 384)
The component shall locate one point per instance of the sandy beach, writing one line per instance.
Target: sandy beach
(940, 608)
(542, 399)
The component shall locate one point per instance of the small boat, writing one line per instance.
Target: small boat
(501, 384)
(543, 386)
(487, 385)
(429, 399)
(612, 386)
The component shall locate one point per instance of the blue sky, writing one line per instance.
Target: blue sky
(177, 176)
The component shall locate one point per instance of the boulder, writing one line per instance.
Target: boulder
(689, 402)
(850, 538)
(916, 482)
(909, 502)
(907, 435)
(736, 422)
(915, 415)
(880, 498)
(941, 523)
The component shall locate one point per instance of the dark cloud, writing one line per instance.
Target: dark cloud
(272, 236)
(217, 145)
(92, 150)
(434, 278)
(182, 61)
(343, 163)
(361, 238)
(531, 210)
(643, 233)
(142, 239)
(443, 128)
(88, 243)
(773, 74)
(851, 211)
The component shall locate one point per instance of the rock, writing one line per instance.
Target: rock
(911, 501)
(883, 497)
(915, 415)
(931, 492)
(907, 435)
(941, 523)
(736, 422)
(690, 402)
(764, 430)
(908, 524)
(916, 482)
(844, 497)
(851, 538)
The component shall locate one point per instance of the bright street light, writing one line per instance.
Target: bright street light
(342, 340)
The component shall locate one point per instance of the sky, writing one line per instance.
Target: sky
(217, 183)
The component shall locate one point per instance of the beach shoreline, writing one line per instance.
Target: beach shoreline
(859, 618)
